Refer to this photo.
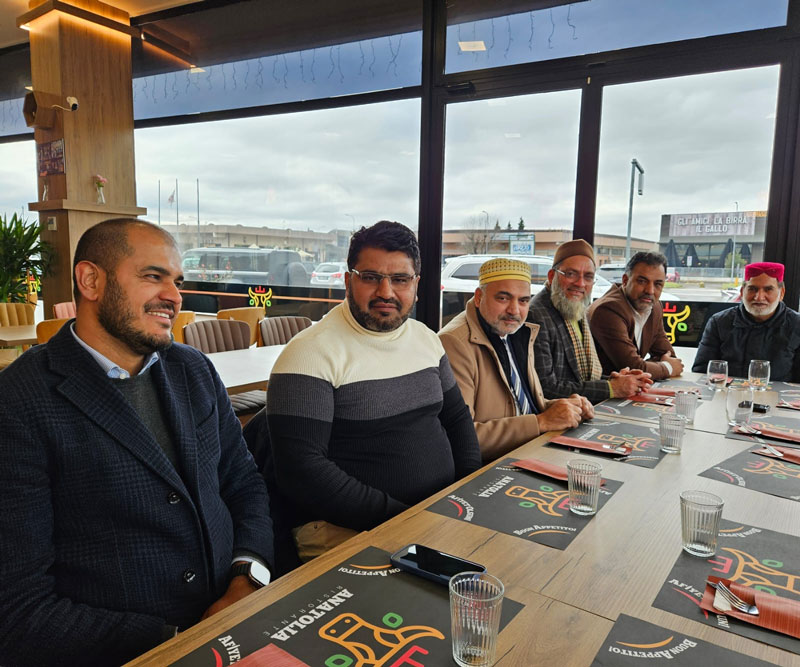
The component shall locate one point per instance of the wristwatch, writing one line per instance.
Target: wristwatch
(258, 575)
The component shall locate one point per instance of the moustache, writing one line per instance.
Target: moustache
(162, 305)
(510, 318)
(378, 301)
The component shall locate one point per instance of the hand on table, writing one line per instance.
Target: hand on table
(677, 364)
(561, 413)
(629, 382)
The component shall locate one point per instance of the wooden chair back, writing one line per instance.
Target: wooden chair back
(249, 314)
(16, 314)
(184, 317)
(46, 329)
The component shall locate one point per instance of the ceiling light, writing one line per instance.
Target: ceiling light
(472, 46)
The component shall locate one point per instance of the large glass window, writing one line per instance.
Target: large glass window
(17, 178)
(509, 185)
(481, 35)
(704, 143)
(260, 204)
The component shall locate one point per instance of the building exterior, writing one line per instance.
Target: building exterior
(706, 240)
(470, 241)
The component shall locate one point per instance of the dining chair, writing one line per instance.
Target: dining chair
(16, 314)
(249, 314)
(46, 329)
(181, 320)
(220, 336)
(280, 330)
(11, 315)
(64, 309)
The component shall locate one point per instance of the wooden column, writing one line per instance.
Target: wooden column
(75, 57)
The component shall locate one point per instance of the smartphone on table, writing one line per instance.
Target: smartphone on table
(431, 564)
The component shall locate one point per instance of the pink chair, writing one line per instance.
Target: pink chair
(65, 309)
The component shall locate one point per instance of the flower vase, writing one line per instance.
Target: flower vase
(101, 197)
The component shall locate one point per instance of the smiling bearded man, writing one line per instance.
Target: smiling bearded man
(143, 510)
(566, 358)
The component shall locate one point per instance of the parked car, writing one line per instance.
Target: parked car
(329, 274)
(249, 266)
(612, 272)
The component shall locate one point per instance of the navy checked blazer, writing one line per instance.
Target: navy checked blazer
(554, 354)
(102, 543)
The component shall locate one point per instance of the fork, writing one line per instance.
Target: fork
(735, 601)
(769, 448)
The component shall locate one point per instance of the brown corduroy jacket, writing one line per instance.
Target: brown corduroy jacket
(612, 325)
(485, 388)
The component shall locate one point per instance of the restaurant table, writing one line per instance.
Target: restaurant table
(615, 565)
(22, 334)
(245, 370)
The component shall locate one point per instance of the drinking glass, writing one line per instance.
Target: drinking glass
(700, 516)
(717, 373)
(758, 374)
(686, 404)
(670, 431)
(583, 480)
(476, 599)
(739, 405)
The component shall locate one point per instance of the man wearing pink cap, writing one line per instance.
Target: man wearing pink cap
(760, 327)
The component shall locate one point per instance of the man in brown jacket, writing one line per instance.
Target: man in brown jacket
(627, 324)
(490, 348)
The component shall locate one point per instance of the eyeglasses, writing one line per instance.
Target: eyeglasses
(398, 281)
(572, 276)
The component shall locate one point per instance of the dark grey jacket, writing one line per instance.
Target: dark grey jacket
(554, 355)
(736, 337)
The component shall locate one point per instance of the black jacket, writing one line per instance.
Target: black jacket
(735, 336)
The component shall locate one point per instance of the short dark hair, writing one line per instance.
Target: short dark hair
(386, 235)
(649, 258)
(106, 244)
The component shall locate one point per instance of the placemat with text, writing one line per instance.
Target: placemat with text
(362, 612)
(633, 641)
(521, 503)
(751, 556)
(785, 421)
(643, 438)
(706, 391)
(760, 473)
(632, 409)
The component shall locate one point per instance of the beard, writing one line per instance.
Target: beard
(373, 323)
(116, 317)
(570, 309)
(761, 311)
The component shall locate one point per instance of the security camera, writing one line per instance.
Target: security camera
(73, 104)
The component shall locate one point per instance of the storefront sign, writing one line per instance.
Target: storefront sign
(742, 223)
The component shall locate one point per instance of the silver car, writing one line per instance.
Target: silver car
(329, 274)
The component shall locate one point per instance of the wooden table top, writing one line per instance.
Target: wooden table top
(245, 370)
(615, 565)
(23, 334)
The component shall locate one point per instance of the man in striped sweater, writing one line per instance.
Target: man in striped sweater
(365, 416)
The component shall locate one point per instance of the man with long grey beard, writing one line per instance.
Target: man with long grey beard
(566, 358)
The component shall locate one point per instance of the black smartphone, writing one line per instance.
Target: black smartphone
(432, 564)
(760, 407)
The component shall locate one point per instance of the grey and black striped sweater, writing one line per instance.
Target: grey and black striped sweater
(364, 424)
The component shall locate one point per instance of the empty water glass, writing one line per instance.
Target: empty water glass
(583, 480)
(686, 404)
(476, 599)
(670, 430)
(758, 374)
(717, 373)
(700, 516)
(739, 405)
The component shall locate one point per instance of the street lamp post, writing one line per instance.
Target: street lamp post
(353, 218)
(486, 233)
(634, 166)
(735, 223)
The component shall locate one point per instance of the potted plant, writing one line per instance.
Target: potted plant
(23, 255)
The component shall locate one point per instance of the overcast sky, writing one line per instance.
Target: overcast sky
(704, 141)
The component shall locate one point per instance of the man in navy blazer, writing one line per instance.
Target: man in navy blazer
(131, 507)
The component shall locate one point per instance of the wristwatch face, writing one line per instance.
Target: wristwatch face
(259, 574)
